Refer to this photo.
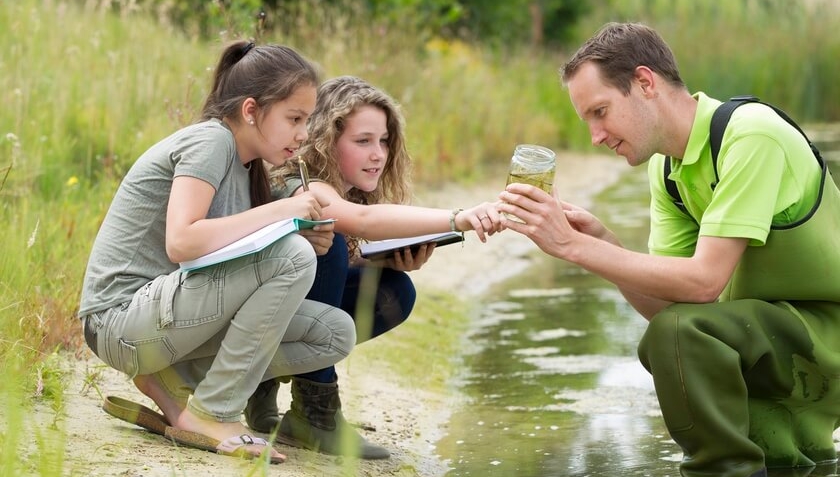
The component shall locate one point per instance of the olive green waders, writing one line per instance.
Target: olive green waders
(746, 384)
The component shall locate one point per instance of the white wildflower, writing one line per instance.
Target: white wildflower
(31, 241)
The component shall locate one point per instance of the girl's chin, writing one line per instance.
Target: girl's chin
(369, 187)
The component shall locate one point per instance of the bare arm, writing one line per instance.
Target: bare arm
(386, 221)
(648, 282)
(189, 234)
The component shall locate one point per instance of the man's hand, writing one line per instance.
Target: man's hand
(544, 218)
(583, 221)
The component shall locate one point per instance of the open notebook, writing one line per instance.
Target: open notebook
(253, 242)
(383, 249)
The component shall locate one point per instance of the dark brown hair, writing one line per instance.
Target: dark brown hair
(266, 73)
(618, 48)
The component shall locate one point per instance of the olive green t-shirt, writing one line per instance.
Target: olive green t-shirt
(130, 248)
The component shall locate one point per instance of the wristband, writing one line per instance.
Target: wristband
(452, 219)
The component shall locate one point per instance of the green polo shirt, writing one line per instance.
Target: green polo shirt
(767, 177)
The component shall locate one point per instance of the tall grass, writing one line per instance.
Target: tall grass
(85, 91)
(465, 108)
(784, 52)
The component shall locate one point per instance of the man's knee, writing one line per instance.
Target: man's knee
(662, 336)
(660, 330)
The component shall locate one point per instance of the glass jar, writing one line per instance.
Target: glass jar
(534, 165)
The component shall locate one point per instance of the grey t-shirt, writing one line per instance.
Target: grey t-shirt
(285, 187)
(130, 248)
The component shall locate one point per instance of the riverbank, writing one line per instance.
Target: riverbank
(405, 405)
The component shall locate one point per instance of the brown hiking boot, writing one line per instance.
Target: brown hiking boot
(315, 422)
(261, 412)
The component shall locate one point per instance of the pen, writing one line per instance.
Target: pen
(304, 174)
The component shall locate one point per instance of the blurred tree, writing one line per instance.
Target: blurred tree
(496, 23)
(509, 22)
(516, 22)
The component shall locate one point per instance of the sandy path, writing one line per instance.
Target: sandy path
(408, 421)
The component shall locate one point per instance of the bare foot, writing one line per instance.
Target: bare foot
(188, 421)
(171, 407)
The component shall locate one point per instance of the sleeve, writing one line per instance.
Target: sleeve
(207, 153)
(751, 168)
(672, 233)
(285, 187)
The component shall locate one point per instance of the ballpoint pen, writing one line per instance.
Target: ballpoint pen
(304, 174)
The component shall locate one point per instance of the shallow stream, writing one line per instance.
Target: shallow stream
(552, 383)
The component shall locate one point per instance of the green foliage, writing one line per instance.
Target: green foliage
(520, 22)
(197, 18)
(86, 89)
(504, 24)
(436, 15)
(79, 101)
(784, 52)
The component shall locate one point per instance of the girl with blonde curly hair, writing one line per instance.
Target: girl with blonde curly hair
(357, 156)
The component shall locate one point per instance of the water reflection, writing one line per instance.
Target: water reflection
(551, 377)
(554, 384)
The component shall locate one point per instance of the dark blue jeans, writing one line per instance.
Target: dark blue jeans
(378, 299)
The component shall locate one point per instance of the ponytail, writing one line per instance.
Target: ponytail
(268, 74)
(260, 187)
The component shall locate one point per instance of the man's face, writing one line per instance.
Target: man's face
(625, 124)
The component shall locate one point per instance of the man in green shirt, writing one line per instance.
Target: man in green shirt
(741, 290)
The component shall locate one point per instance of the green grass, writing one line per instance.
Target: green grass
(84, 92)
(433, 333)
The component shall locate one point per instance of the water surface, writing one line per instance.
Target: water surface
(552, 383)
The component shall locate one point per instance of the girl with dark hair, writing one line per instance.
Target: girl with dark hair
(198, 343)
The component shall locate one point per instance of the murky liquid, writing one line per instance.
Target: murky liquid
(551, 377)
(543, 180)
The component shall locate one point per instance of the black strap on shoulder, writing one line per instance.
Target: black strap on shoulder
(720, 119)
(671, 187)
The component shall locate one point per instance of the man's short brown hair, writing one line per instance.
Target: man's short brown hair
(618, 48)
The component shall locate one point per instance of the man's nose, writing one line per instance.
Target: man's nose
(597, 134)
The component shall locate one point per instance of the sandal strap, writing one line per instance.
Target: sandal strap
(232, 444)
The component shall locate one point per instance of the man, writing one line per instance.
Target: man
(742, 291)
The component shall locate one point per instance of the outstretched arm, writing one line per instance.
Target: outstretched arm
(648, 282)
(387, 221)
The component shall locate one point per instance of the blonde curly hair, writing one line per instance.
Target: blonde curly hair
(337, 100)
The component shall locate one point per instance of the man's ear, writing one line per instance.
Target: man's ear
(645, 78)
